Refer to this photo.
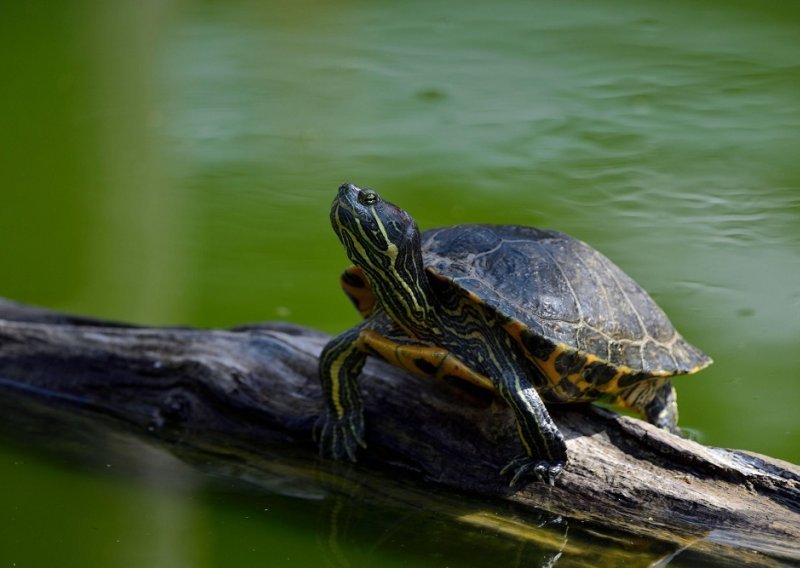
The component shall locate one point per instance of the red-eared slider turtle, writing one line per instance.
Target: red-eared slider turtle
(537, 316)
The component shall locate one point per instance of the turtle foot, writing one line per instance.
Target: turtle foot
(340, 437)
(526, 467)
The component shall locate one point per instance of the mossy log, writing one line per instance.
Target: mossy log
(254, 388)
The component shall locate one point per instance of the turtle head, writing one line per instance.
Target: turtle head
(384, 241)
(376, 234)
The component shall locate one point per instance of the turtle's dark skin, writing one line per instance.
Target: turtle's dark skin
(535, 315)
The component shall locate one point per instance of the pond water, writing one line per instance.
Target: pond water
(174, 162)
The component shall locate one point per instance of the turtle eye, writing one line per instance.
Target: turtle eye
(367, 197)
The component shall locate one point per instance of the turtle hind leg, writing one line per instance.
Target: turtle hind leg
(656, 400)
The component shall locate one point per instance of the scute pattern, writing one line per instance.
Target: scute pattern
(566, 293)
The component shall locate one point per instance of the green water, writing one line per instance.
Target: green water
(174, 162)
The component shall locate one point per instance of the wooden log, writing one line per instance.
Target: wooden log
(253, 390)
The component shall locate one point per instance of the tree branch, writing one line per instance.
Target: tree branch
(254, 390)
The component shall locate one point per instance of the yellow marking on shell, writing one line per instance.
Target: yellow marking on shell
(515, 329)
(590, 358)
(613, 384)
(577, 377)
(474, 298)
(548, 366)
(579, 382)
(700, 367)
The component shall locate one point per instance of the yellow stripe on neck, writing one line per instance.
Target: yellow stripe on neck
(392, 252)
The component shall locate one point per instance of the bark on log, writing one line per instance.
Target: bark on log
(253, 390)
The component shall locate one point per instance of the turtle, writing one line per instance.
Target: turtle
(534, 315)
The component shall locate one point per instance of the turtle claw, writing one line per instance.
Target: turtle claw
(340, 437)
(525, 467)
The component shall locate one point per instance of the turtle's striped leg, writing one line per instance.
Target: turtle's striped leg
(656, 400)
(340, 429)
(545, 450)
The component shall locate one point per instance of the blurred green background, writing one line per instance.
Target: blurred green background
(174, 162)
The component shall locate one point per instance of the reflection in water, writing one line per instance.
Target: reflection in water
(350, 536)
(354, 531)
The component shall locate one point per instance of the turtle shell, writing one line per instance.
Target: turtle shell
(563, 294)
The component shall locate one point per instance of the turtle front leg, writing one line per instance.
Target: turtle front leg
(545, 449)
(546, 452)
(340, 429)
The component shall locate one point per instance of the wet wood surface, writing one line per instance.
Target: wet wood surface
(253, 390)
